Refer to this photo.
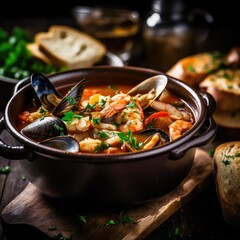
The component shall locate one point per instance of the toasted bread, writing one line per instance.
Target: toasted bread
(195, 68)
(227, 177)
(224, 86)
(68, 47)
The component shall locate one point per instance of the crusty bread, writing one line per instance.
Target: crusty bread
(224, 86)
(193, 69)
(34, 49)
(227, 177)
(68, 47)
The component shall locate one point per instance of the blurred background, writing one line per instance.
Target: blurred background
(224, 33)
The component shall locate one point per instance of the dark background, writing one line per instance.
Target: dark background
(225, 32)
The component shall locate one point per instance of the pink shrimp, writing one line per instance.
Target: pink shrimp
(179, 127)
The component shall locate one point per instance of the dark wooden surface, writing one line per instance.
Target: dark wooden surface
(201, 218)
(34, 209)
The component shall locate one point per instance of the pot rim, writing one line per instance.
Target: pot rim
(98, 157)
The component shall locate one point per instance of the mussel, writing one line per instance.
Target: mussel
(64, 143)
(149, 90)
(46, 95)
(44, 128)
(154, 138)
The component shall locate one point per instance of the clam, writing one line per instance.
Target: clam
(45, 128)
(149, 90)
(64, 143)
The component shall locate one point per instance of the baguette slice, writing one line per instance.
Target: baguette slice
(68, 47)
(227, 178)
(193, 69)
(34, 49)
(224, 86)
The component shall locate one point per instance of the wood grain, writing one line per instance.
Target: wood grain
(34, 209)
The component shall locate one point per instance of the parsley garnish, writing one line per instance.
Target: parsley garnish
(121, 219)
(175, 233)
(69, 116)
(59, 128)
(190, 68)
(103, 135)
(5, 170)
(71, 100)
(102, 103)
(131, 104)
(82, 219)
(60, 236)
(130, 139)
(96, 121)
(101, 147)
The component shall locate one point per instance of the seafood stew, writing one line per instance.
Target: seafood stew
(103, 118)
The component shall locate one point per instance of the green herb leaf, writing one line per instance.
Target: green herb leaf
(69, 116)
(83, 219)
(5, 170)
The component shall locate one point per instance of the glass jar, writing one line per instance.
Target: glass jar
(170, 32)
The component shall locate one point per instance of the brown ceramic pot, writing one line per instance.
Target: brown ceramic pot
(116, 179)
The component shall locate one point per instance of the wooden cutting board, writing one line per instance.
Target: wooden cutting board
(31, 208)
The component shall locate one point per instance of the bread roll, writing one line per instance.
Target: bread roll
(227, 177)
(68, 47)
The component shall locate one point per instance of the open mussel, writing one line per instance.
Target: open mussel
(154, 137)
(149, 90)
(45, 128)
(46, 94)
(71, 100)
(64, 143)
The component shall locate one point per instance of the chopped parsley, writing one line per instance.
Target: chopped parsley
(69, 116)
(5, 170)
(175, 233)
(96, 121)
(121, 219)
(228, 158)
(130, 139)
(103, 135)
(101, 147)
(131, 104)
(82, 219)
(190, 68)
(59, 128)
(71, 100)
(60, 236)
(102, 103)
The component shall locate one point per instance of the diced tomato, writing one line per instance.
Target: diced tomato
(23, 117)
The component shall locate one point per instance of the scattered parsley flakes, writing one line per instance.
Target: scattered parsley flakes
(190, 68)
(51, 228)
(5, 170)
(101, 147)
(60, 236)
(175, 233)
(96, 121)
(71, 100)
(121, 219)
(82, 218)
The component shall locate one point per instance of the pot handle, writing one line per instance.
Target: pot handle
(11, 152)
(209, 101)
(199, 140)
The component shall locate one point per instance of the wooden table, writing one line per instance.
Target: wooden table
(201, 218)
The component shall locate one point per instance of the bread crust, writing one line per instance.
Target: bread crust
(193, 69)
(68, 47)
(227, 173)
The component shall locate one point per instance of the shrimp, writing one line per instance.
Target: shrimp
(116, 104)
(177, 128)
(173, 111)
(131, 118)
(79, 125)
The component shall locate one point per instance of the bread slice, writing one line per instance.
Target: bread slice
(224, 86)
(227, 178)
(34, 49)
(193, 69)
(68, 47)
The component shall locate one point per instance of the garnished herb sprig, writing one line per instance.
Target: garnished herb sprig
(69, 116)
(5, 170)
(130, 139)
